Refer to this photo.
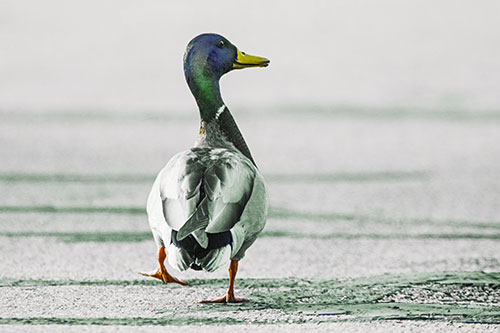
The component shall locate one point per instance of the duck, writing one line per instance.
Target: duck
(209, 203)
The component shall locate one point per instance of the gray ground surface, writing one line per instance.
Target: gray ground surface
(384, 223)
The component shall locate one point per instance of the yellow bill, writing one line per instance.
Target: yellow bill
(244, 60)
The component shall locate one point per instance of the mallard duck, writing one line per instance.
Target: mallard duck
(209, 203)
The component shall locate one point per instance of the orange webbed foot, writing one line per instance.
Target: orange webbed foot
(225, 299)
(229, 298)
(161, 273)
(164, 277)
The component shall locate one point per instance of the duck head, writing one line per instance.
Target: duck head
(207, 58)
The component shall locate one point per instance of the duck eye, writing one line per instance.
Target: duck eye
(221, 44)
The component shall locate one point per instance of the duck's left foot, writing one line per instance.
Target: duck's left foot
(225, 299)
(229, 298)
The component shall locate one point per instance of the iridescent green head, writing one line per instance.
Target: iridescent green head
(207, 58)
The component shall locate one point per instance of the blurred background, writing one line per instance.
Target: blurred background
(359, 96)
(376, 127)
(126, 56)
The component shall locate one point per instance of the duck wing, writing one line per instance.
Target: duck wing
(205, 190)
(252, 220)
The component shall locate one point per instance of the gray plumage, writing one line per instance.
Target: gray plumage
(209, 189)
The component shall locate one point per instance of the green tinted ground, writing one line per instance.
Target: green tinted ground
(373, 219)
(469, 297)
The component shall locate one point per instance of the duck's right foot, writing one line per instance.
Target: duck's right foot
(162, 273)
(164, 277)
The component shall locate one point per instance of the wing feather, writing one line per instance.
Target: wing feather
(198, 220)
(252, 221)
(205, 189)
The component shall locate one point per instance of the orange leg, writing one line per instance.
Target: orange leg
(162, 273)
(229, 298)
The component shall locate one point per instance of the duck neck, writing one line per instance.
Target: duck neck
(223, 132)
(206, 92)
(218, 127)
